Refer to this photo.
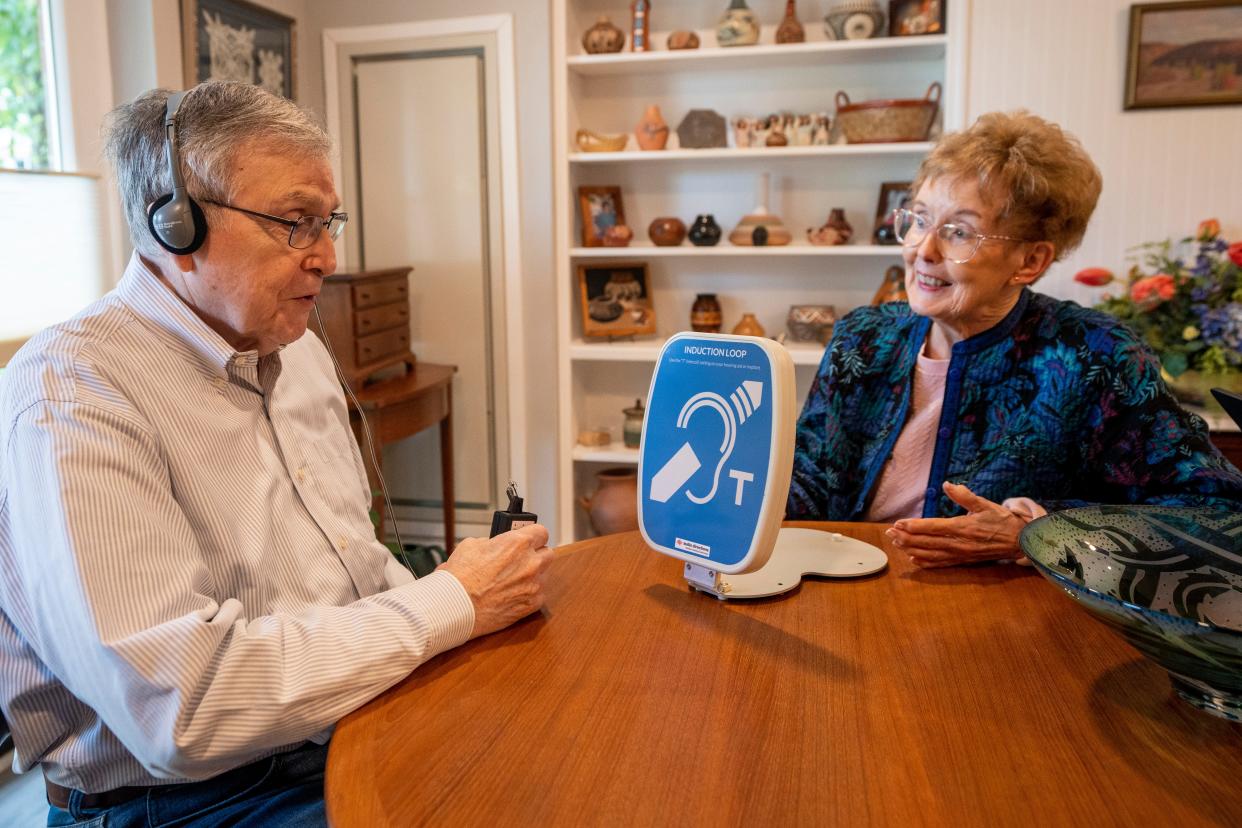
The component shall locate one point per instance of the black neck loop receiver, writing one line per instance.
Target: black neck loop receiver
(175, 220)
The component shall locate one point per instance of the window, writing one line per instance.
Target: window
(55, 232)
(27, 140)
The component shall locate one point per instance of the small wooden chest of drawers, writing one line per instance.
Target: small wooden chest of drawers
(366, 318)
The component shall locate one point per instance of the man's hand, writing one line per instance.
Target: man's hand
(987, 532)
(503, 576)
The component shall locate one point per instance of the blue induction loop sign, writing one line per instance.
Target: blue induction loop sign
(717, 450)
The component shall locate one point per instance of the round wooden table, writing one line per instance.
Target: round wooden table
(976, 695)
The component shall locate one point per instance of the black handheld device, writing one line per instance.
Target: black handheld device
(514, 517)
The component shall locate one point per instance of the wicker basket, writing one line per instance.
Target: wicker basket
(888, 121)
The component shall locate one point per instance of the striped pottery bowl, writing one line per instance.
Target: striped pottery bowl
(1168, 579)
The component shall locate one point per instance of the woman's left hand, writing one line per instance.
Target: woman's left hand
(987, 532)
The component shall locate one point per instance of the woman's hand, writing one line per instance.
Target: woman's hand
(987, 532)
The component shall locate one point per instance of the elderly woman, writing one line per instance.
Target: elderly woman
(979, 404)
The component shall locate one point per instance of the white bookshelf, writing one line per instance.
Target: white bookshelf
(915, 149)
(609, 93)
(647, 250)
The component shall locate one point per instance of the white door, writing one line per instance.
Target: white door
(417, 146)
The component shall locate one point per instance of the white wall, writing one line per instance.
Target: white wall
(1164, 169)
(531, 19)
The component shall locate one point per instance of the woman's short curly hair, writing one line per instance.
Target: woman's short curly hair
(1038, 177)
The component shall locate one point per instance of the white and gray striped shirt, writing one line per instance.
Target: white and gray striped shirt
(188, 576)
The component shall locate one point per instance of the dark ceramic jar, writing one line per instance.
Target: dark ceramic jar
(705, 314)
(705, 232)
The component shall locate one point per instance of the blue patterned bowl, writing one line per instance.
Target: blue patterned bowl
(1168, 579)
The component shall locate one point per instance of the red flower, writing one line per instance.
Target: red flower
(1208, 230)
(1235, 253)
(1093, 276)
(1153, 290)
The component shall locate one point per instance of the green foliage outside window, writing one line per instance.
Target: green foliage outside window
(23, 118)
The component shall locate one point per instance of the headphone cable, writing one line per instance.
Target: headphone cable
(366, 432)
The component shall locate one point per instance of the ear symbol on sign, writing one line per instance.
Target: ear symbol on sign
(682, 465)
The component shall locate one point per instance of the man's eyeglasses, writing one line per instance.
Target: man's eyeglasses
(303, 231)
(957, 244)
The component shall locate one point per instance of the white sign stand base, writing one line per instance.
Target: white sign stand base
(797, 552)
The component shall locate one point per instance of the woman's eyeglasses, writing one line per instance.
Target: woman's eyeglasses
(958, 244)
(303, 231)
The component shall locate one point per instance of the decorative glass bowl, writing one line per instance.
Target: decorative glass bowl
(1169, 579)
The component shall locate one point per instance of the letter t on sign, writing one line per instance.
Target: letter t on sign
(742, 479)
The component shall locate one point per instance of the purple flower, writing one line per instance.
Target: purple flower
(1223, 326)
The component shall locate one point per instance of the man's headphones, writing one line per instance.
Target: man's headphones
(175, 220)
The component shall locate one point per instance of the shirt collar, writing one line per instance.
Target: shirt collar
(156, 305)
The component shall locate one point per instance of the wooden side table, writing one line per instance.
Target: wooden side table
(401, 407)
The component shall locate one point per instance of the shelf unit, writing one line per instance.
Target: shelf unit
(609, 93)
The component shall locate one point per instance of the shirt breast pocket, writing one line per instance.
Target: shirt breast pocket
(337, 481)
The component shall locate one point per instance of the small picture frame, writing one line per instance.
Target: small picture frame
(616, 299)
(893, 194)
(916, 17)
(600, 208)
(1184, 54)
(239, 41)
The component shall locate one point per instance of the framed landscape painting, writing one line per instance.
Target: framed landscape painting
(239, 41)
(1185, 54)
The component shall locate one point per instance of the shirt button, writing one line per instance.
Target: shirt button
(342, 544)
(931, 492)
(301, 475)
(944, 432)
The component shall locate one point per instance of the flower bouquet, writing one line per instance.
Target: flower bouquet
(1184, 299)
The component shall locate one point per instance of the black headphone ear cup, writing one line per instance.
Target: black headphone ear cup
(196, 214)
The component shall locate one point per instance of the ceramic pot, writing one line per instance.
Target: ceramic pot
(632, 428)
(652, 132)
(811, 323)
(667, 231)
(790, 30)
(748, 326)
(893, 288)
(603, 38)
(705, 232)
(705, 314)
(738, 27)
(614, 506)
(618, 236)
(832, 232)
(854, 20)
(640, 25)
(682, 39)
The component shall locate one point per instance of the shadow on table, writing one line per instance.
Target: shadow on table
(754, 634)
(983, 574)
(1139, 715)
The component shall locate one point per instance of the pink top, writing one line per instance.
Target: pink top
(903, 481)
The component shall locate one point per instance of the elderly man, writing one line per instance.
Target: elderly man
(191, 590)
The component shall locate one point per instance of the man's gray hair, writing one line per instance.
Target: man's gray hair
(215, 121)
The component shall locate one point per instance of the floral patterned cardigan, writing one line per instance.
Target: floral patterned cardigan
(1057, 403)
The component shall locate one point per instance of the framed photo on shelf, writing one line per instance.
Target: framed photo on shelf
(616, 299)
(240, 41)
(600, 208)
(893, 194)
(916, 17)
(1184, 54)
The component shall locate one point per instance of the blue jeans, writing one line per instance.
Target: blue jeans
(283, 791)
